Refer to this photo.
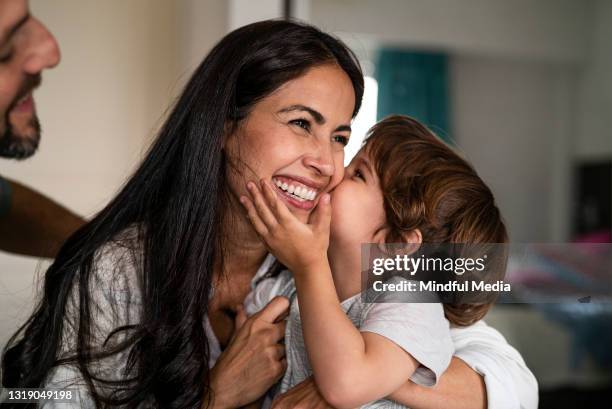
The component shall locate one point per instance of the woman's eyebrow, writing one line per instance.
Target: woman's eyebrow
(318, 117)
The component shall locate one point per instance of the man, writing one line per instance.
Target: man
(30, 223)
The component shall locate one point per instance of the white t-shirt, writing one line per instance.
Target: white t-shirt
(114, 289)
(419, 328)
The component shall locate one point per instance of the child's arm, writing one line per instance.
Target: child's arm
(351, 368)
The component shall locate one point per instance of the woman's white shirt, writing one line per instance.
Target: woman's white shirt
(114, 287)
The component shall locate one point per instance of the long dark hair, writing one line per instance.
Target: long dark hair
(175, 200)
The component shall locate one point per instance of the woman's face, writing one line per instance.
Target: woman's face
(295, 139)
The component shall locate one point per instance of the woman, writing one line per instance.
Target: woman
(141, 301)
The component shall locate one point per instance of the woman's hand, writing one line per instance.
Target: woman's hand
(295, 244)
(303, 395)
(254, 359)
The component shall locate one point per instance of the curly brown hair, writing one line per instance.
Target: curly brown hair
(426, 185)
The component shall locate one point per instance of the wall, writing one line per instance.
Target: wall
(541, 29)
(515, 67)
(122, 64)
(594, 135)
(504, 116)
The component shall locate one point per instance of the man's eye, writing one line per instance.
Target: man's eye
(6, 56)
(302, 123)
(341, 139)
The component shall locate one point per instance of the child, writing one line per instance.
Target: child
(404, 186)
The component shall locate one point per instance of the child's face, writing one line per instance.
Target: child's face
(357, 204)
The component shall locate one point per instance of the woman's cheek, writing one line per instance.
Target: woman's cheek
(336, 177)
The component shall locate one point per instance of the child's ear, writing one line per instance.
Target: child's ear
(413, 237)
(412, 241)
(380, 237)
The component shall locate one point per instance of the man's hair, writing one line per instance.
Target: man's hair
(428, 186)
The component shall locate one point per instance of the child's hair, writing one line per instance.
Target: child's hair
(428, 186)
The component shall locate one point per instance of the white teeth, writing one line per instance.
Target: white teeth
(300, 193)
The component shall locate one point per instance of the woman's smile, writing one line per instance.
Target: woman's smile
(297, 191)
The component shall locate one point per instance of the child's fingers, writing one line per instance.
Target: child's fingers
(260, 205)
(321, 217)
(280, 210)
(258, 224)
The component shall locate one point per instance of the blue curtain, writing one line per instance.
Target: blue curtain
(415, 84)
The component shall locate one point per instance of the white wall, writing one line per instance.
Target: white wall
(122, 64)
(201, 24)
(540, 29)
(594, 134)
(504, 116)
(514, 70)
(243, 12)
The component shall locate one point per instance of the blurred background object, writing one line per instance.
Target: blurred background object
(522, 88)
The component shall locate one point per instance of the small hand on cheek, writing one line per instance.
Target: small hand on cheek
(294, 243)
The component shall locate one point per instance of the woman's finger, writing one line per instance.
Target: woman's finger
(278, 331)
(240, 318)
(263, 210)
(279, 351)
(256, 221)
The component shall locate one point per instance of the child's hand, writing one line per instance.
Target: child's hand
(297, 245)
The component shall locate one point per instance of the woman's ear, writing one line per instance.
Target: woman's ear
(229, 128)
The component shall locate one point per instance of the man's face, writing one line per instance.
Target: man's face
(26, 49)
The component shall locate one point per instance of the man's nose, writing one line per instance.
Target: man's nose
(43, 51)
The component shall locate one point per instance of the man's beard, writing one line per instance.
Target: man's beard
(20, 146)
(13, 144)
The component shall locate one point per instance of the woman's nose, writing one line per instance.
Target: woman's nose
(321, 161)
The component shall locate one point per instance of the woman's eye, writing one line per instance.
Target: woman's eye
(341, 139)
(302, 123)
(359, 174)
